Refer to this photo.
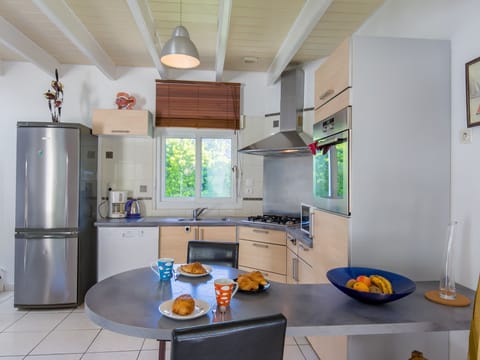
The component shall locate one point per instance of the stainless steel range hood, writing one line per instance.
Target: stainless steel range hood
(290, 140)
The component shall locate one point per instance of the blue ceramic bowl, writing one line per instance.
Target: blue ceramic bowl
(402, 286)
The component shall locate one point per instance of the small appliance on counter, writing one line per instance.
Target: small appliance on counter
(116, 204)
(132, 208)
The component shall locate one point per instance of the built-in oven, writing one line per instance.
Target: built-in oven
(331, 162)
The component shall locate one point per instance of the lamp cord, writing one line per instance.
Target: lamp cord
(181, 12)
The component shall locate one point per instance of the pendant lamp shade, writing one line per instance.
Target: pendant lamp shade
(179, 51)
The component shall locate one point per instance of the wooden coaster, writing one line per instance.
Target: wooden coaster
(460, 300)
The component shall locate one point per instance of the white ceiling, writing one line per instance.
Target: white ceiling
(108, 33)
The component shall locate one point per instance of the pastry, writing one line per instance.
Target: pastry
(193, 268)
(245, 283)
(258, 277)
(183, 305)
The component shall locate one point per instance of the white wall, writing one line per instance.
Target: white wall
(457, 21)
(85, 88)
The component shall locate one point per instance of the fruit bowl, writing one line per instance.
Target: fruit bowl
(402, 286)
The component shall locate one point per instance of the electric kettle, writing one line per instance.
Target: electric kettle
(132, 207)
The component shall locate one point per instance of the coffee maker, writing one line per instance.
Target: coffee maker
(116, 204)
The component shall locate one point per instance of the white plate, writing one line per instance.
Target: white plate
(201, 308)
(206, 267)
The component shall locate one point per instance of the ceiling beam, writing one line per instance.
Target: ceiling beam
(63, 17)
(146, 25)
(16, 41)
(306, 20)
(224, 12)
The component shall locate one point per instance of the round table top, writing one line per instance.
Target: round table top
(128, 303)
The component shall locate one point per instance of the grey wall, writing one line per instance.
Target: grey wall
(287, 183)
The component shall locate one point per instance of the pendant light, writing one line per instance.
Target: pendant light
(179, 51)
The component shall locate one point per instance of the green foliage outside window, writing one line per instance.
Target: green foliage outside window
(216, 168)
(179, 167)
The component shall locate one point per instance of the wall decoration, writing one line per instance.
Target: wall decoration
(125, 101)
(472, 75)
(55, 98)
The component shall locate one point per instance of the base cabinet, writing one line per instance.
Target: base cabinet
(173, 240)
(264, 250)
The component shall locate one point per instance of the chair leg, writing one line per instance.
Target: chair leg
(161, 349)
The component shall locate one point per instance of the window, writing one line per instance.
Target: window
(196, 167)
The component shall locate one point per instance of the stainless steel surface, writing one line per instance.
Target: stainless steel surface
(331, 172)
(311, 309)
(46, 269)
(291, 139)
(55, 241)
(47, 178)
(197, 212)
(287, 182)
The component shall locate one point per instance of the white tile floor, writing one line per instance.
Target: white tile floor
(69, 335)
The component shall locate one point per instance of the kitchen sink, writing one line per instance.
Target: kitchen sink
(203, 219)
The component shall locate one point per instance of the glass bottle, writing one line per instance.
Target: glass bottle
(447, 281)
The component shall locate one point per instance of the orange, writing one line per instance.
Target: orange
(364, 279)
(360, 286)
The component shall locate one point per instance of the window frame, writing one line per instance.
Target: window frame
(161, 201)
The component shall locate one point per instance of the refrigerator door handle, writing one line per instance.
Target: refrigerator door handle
(59, 235)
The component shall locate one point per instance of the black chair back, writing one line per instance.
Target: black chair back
(213, 253)
(253, 339)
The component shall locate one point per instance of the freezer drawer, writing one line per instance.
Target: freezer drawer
(45, 270)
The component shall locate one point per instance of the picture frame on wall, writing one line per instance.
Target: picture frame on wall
(472, 77)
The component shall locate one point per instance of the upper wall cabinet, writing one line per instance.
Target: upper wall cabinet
(122, 122)
(198, 104)
(333, 77)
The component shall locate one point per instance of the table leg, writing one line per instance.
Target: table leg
(161, 349)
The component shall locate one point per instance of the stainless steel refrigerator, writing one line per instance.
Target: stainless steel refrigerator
(55, 238)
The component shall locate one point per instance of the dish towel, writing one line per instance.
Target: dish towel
(474, 340)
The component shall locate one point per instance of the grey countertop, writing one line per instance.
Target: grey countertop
(128, 303)
(152, 221)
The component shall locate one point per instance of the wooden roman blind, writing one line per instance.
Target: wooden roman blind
(197, 104)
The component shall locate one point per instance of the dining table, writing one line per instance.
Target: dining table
(130, 303)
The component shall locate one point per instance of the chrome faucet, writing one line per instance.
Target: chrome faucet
(197, 212)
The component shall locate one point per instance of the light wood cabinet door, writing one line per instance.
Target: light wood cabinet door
(122, 122)
(174, 241)
(306, 274)
(217, 233)
(330, 241)
(292, 261)
(330, 250)
(263, 235)
(333, 76)
(263, 256)
(270, 276)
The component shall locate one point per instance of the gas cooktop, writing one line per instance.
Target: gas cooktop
(274, 219)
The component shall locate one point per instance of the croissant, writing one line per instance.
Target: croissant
(193, 268)
(247, 284)
(183, 305)
(258, 277)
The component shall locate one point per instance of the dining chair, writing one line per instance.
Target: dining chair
(474, 336)
(261, 338)
(213, 252)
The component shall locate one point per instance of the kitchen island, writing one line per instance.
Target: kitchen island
(128, 303)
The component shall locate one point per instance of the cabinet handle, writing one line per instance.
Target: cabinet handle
(261, 231)
(260, 245)
(326, 94)
(201, 234)
(295, 269)
(120, 131)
